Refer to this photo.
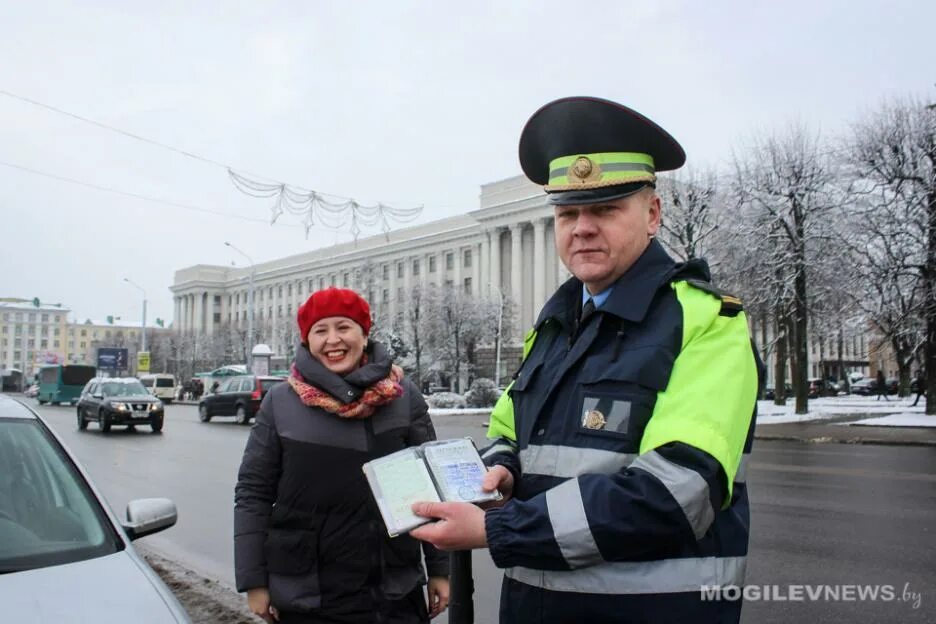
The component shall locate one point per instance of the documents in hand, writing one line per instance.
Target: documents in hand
(446, 470)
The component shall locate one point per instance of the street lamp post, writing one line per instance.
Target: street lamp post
(143, 323)
(250, 306)
(497, 340)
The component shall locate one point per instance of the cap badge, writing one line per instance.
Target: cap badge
(584, 169)
(594, 420)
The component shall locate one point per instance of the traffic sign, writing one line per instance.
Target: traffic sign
(143, 361)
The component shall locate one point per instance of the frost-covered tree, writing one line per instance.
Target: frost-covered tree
(785, 182)
(892, 161)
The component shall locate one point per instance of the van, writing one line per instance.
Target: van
(160, 385)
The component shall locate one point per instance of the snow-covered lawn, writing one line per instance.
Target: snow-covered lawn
(829, 408)
(899, 420)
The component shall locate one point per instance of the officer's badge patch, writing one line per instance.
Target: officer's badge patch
(593, 419)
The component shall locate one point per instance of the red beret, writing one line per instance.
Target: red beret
(333, 302)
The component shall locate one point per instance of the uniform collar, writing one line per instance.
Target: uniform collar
(630, 296)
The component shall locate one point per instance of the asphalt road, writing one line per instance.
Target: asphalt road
(826, 517)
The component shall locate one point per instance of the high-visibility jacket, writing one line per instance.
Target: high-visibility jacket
(627, 434)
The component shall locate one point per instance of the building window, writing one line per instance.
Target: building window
(399, 269)
(57, 331)
(399, 294)
(83, 344)
(415, 267)
(31, 343)
(311, 287)
(385, 298)
(270, 312)
(217, 299)
(32, 317)
(289, 290)
(432, 264)
(6, 329)
(386, 271)
(468, 285)
(344, 279)
(279, 292)
(331, 279)
(289, 309)
(321, 283)
(55, 344)
(216, 317)
(45, 318)
(84, 333)
(467, 262)
(270, 293)
(449, 261)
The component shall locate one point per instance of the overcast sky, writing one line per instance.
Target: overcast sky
(408, 103)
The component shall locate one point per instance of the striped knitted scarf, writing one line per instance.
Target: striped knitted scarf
(382, 392)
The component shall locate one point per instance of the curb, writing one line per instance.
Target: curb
(207, 601)
(830, 440)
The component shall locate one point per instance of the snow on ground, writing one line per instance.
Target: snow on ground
(828, 408)
(899, 420)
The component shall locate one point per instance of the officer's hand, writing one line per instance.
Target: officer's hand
(501, 479)
(460, 526)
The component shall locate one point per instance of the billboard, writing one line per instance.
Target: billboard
(112, 358)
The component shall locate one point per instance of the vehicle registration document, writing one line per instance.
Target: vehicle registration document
(444, 470)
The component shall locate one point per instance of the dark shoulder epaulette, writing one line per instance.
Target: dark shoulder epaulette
(730, 305)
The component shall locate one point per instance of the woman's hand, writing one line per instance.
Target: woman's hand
(438, 590)
(258, 601)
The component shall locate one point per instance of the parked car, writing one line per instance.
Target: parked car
(769, 392)
(119, 401)
(64, 556)
(864, 387)
(239, 397)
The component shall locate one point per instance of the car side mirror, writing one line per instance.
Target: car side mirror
(146, 516)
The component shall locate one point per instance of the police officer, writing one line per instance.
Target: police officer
(620, 444)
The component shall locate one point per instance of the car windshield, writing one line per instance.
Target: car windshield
(48, 515)
(122, 388)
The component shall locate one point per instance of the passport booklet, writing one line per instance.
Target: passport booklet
(438, 471)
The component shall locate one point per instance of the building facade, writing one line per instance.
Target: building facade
(504, 247)
(32, 335)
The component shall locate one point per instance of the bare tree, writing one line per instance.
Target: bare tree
(892, 154)
(690, 212)
(786, 183)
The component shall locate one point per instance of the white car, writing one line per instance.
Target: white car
(64, 557)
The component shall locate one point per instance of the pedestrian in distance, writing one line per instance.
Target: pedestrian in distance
(880, 386)
(621, 443)
(920, 382)
(309, 542)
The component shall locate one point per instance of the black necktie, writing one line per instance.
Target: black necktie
(587, 310)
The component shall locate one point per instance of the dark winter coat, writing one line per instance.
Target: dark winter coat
(305, 523)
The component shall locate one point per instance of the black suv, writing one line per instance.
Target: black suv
(238, 397)
(119, 401)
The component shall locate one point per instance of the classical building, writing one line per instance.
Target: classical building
(505, 246)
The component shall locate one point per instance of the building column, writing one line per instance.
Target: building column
(392, 286)
(440, 269)
(516, 287)
(539, 265)
(198, 325)
(476, 272)
(177, 313)
(457, 277)
(484, 261)
(495, 279)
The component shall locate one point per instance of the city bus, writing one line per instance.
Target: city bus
(62, 383)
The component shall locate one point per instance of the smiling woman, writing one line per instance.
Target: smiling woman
(313, 549)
